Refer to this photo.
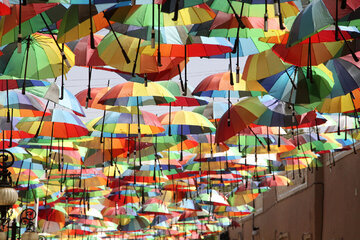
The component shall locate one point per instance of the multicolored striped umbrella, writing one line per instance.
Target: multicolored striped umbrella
(60, 124)
(137, 94)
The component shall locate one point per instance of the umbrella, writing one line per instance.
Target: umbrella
(21, 105)
(137, 224)
(33, 18)
(185, 122)
(318, 15)
(42, 59)
(345, 73)
(8, 84)
(133, 48)
(223, 85)
(312, 54)
(125, 123)
(182, 99)
(270, 64)
(239, 117)
(296, 86)
(275, 180)
(81, 20)
(137, 94)
(144, 15)
(60, 124)
(52, 92)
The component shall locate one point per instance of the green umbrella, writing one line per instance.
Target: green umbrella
(42, 59)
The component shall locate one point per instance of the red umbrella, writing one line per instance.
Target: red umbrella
(84, 55)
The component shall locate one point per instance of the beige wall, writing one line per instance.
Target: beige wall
(326, 206)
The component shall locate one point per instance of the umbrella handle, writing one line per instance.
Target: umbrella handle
(19, 50)
(343, 4)
(7, 100)
(230, 71)
(153, 38)
(89, 88)
(92, 40)
(266, 17)
(159, 35)
(176, 12)
(26, 64)
(282, 27)
(236, 43)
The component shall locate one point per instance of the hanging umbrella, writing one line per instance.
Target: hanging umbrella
(143, 15)
(185, 122)
(133, 48)
(341, 104)
(345, 73)
(274, 181)
(223, 85)
(85, 56)
(52, 92)
(318, 15)
(60, 124)
(80, 20)
(137, 224)
(21, 105)
(9, 84)
(33, 18)
(257, 8)
(125, 123)
(296, 86)
(42, 59)
(270, 64)
(239, 117)
(93, 102)
(182, 99)
(137, 94)
(312, 54)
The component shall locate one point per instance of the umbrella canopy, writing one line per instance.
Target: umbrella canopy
(185, 122)
(132, 49)
(60, 124)
(317, 16)
(143, 15)
(125, 123)
(225, 85)
(346, 76)
(42, 58)
(296, 86)
(52, 92)
(239, 117)
(33, 18)
(77, 19)
(84, 54)
(137, 94)
(21, 105)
